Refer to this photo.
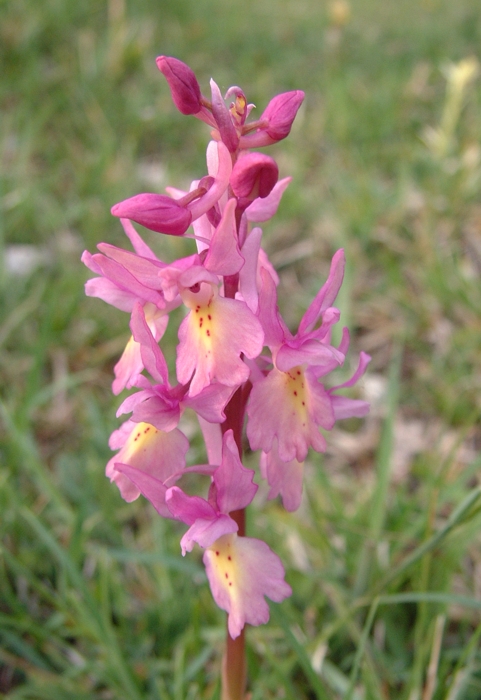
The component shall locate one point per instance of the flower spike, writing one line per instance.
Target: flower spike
(239, 369)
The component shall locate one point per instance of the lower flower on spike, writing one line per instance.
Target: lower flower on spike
(241, 571)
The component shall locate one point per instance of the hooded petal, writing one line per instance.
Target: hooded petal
(254, 175)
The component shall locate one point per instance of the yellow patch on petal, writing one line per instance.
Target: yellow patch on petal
(202, 322)
(201, 317)
(225, 564)
(294, 389)
(139, 440)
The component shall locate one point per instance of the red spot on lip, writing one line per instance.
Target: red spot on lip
(229, 558)
(295, 393)
(208, 332)
(209, 317)
(226, 575)
(217, 553)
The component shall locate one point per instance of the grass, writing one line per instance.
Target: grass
(383, 556)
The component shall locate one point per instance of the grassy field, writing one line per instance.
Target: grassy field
(384, 555)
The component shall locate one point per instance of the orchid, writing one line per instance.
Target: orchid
(238, 367)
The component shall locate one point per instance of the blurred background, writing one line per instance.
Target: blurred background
(384, 555)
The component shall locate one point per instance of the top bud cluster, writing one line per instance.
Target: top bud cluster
(238, 366)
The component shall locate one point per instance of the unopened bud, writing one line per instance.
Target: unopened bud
(156, 212)
(183, 84)
(281, 112)
(254, 175)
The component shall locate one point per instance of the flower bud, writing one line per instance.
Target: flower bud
(156, 212)
(281, 112)
(183, 84)
(254, 175)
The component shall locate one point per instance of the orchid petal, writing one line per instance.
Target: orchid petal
(289, 406)
(241, 571)
(275, 331)
(206, 532)
(212, 338)
(151, 451)
(224, 257)
(248, 274)
(210, 403)
(326, 295)
(223, 119)
(263, 209)
(188, 508)
(235, 488)
(152, 356)
(349, 408)
(284, 478)
(364, 360)
(109, 292)
(203, 204)
(140, 247)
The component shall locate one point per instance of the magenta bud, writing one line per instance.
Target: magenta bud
(254, 175)
(281, 112)
(183, 84)
(156, 212)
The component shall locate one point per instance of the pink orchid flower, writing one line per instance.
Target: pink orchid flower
(241, 570)
(289, 404)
